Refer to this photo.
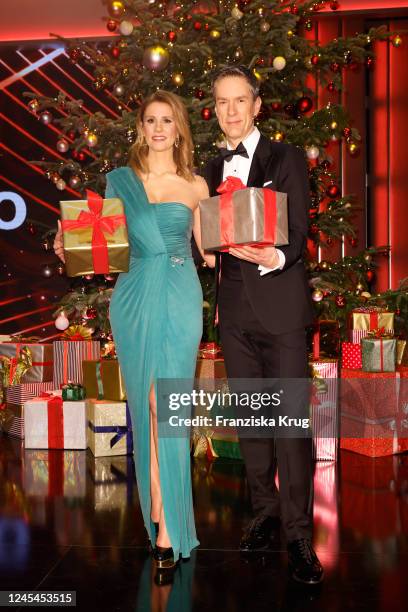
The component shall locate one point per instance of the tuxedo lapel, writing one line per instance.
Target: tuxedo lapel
(260, 161)
(216, 175)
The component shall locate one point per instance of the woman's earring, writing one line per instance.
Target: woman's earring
(177, 142)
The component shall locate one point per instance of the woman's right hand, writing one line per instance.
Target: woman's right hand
(58, 243)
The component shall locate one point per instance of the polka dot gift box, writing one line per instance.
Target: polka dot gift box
(351, 356)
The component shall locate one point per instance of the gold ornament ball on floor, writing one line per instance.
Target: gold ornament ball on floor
(156, 58)
(177, 79)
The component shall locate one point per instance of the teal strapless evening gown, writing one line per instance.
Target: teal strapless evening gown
(156, 319)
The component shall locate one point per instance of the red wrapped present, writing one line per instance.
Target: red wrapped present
(241, 215)
(95, 236)
(351, 356)
(209, 350)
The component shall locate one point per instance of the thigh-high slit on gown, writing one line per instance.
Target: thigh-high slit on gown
(156, 319)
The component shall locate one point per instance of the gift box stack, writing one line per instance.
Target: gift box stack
(373, 417)
(66, 397)
(323, 363)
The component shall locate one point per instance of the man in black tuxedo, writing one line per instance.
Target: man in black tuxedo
(264, 305)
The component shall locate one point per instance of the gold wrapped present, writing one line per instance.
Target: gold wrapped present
(12, 419)
(103, 379)
(95, 236)
(369, 318)
(241, 215)
(109, 428)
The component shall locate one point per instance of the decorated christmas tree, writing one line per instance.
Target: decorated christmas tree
(177, 46)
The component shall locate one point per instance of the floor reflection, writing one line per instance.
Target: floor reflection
(69, 521)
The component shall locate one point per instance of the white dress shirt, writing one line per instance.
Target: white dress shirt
(239, 166)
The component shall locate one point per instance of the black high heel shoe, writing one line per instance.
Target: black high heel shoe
(163, 557)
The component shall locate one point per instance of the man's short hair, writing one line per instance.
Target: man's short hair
(236, 71)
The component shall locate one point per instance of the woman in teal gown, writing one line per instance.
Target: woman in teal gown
(156, 310)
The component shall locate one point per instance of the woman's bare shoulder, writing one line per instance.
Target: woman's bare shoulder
(200, 186)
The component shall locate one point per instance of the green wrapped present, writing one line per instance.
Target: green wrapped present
(379, 352)
(73, 392)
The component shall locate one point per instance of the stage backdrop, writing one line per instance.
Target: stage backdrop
(29, 201)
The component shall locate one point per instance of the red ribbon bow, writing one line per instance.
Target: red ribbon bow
(100, 225)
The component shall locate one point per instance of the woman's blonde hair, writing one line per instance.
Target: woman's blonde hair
(182, 152)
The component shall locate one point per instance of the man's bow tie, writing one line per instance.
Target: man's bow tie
(227, 154)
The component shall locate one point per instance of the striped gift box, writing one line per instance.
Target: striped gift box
(12, 420)
(68, 358)
(324, 411)
(18, 394)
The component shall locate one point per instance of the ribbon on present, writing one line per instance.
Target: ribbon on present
(226, 190)
(55, 414)
(100, 224)
(119, 430)
(73, 392)
(381, 335)
(77, 332)
(209, 350)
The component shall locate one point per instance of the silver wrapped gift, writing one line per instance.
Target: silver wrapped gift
(246, 216)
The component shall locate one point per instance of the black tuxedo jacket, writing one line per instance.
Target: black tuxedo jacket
(280, 299)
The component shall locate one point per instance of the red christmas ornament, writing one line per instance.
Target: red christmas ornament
(206, 27)
(335, 67)
(314, 59)
(74, 54)
(325, 164)
(370, 275)
(91, 313)
(369, 62)
(199, 94)
(115, 52)
(111, 25)
(304, 104)
(276, 106)
(340, 301)
(206, 113)
(198, 25)
(334, 5)
(71, 134)
(347, 132)
(331, 87)
(294, 10)
(329, 241)
(333, 191)
(171, 36)
(81, 156)
(353, 242)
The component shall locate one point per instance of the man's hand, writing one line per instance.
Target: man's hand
(263, 256)
(58, 244)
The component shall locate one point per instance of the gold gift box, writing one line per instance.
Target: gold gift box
(248, 219)
(361, 320)
(78, 242)
(12, 420)
(105, 413)
(113, 387)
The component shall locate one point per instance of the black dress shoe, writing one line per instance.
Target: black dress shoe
(304, 566)
(258, 533)
(163, 557)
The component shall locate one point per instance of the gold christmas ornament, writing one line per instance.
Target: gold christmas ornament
(353, 148)
(116, 8)
(317, 295)
(397, 41)
(334, 125)
(91, 139)
(264, 26)
(177, 79)
(238, 54)
(156, 58)
(215, 34)
(278, 136)
(290, 34)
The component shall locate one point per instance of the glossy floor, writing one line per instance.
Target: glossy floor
(70, 522)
